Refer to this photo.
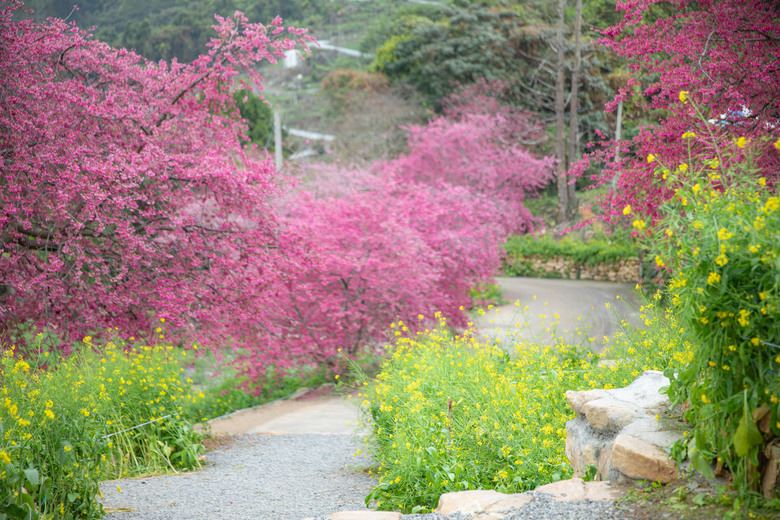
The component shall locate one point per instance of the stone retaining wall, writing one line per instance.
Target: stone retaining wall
(625, 270)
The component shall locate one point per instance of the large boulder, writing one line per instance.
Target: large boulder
(617, 431)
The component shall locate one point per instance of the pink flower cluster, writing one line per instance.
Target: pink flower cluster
(127, 198)
(404, 238)
(726, 56)
(126, 194)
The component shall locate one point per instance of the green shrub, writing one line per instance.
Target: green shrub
(600, 250)
(67, 424)
(449, 414)
(229, 391)
(719, 237)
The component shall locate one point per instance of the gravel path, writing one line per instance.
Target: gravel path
(288, 477)
(257, 477)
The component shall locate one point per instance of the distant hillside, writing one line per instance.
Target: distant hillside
(163, 29)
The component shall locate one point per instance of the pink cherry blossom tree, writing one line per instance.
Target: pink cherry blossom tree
(126, 194)
(725, 55)
(403, 239)
(484, 146)
(128, 198)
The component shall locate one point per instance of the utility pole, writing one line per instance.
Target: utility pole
(560, 138)
(573, 115)
(278, 139)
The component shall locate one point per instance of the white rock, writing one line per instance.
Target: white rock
(577, 489)
(365, 515)
(638, 459)
(476, 501)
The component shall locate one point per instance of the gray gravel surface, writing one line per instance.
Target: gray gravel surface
(257, 477)
(288, 477)
(544, 508)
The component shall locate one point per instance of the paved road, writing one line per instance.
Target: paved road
(579, 304)
(329, 414)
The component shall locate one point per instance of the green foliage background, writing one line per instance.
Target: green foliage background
(164, 29)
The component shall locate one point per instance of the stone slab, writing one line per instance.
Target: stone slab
(365, 515)
(326, 415)
(577, 398)
(638, 459)
(609, 413)
(575, 489)
(483, 500)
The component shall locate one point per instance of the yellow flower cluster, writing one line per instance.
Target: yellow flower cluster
(69, 405)
(449, 412)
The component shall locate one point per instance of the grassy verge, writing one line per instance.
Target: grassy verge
(121, 410)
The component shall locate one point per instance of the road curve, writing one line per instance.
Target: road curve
(580, 304)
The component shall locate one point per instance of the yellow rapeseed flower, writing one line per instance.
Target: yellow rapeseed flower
(639, 224)
(743, 318)
(741, 142)
(684, 96)
(724, 235)
(650, 158)
(687, 135)
(627, 210)
(715, 162)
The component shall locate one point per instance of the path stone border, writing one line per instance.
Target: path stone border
(492, 505)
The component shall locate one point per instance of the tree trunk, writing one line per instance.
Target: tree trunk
(560, 138)
(618, 137)
(573, 116)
